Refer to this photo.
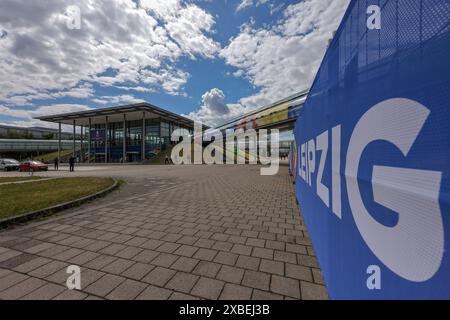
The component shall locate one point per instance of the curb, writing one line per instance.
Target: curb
(60, 207)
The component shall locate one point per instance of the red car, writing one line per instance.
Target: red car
(33, 166)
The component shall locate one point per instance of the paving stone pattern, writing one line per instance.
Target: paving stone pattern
(187, 232)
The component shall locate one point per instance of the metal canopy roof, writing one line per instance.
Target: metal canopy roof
(116, 114)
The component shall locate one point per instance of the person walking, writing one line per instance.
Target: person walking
(56, 163)
(72, 163)
(167, 160)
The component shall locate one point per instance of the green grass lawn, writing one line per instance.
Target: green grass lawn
(15, 179)
(17, 199)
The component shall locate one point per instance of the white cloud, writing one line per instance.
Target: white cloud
(185, 24)
(214, 111)
(24, 117)
(115, 100)
(283, 59)
(84, 90)
(120, 41)
(244, 4)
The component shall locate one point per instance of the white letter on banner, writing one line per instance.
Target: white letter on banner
(322, 190)
(311, 155)
(414, 248)
(336, 170)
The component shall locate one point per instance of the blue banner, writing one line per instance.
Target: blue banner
(98, 134)
(373, 153)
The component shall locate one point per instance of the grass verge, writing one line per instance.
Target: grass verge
(16, 179)
(16, 199)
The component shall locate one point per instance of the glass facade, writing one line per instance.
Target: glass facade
(157, 138)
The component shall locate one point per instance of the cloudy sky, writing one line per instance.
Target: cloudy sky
(210, 60)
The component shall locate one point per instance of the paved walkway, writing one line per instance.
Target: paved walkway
(174, 232)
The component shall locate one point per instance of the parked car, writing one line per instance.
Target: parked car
(9, 165)
(33, 166)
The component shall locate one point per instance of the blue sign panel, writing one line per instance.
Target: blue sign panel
(98, 134)
(373, 153)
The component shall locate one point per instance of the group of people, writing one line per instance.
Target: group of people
(168, 160)
(71, 163)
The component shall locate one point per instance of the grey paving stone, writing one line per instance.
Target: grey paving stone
(154, 293)
(165, 260)
(207, 288)
(223, 246)
(263, 253)
(127, 290)
(205, 254)
(84, 258)
(138, 270)
(298, 272)
(235, 292)
(9, 254)
(48, 269)
(112, 249)
(71, 295)
(241, 249)
(40, 247)
(307, 261)
(186, 250)
(285, 286)
(104, 285)
(100, 262)
(187, 240)
(182, 282)
(89, 276)
(255, 279)
(159, 276)
(276, 245)
(256, 242)
(21, 289)
(251, 263)
(17, 260)
(318, 276)
(151, 244)
(182, 296)
(207, 269)
(204, 243)
(231, 274)
(136, 241)
(129, 252)
(285, 256)
(260, 232)
(4, 272)
(312, 291)
(265, 295)
(146, 256)
(68, 254)
(118, 266)
(184, 264)
(22, 246)
(226, 258)
(273, 267)
(296, 248)
(46, 292)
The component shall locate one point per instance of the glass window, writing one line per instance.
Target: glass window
(134, 130)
